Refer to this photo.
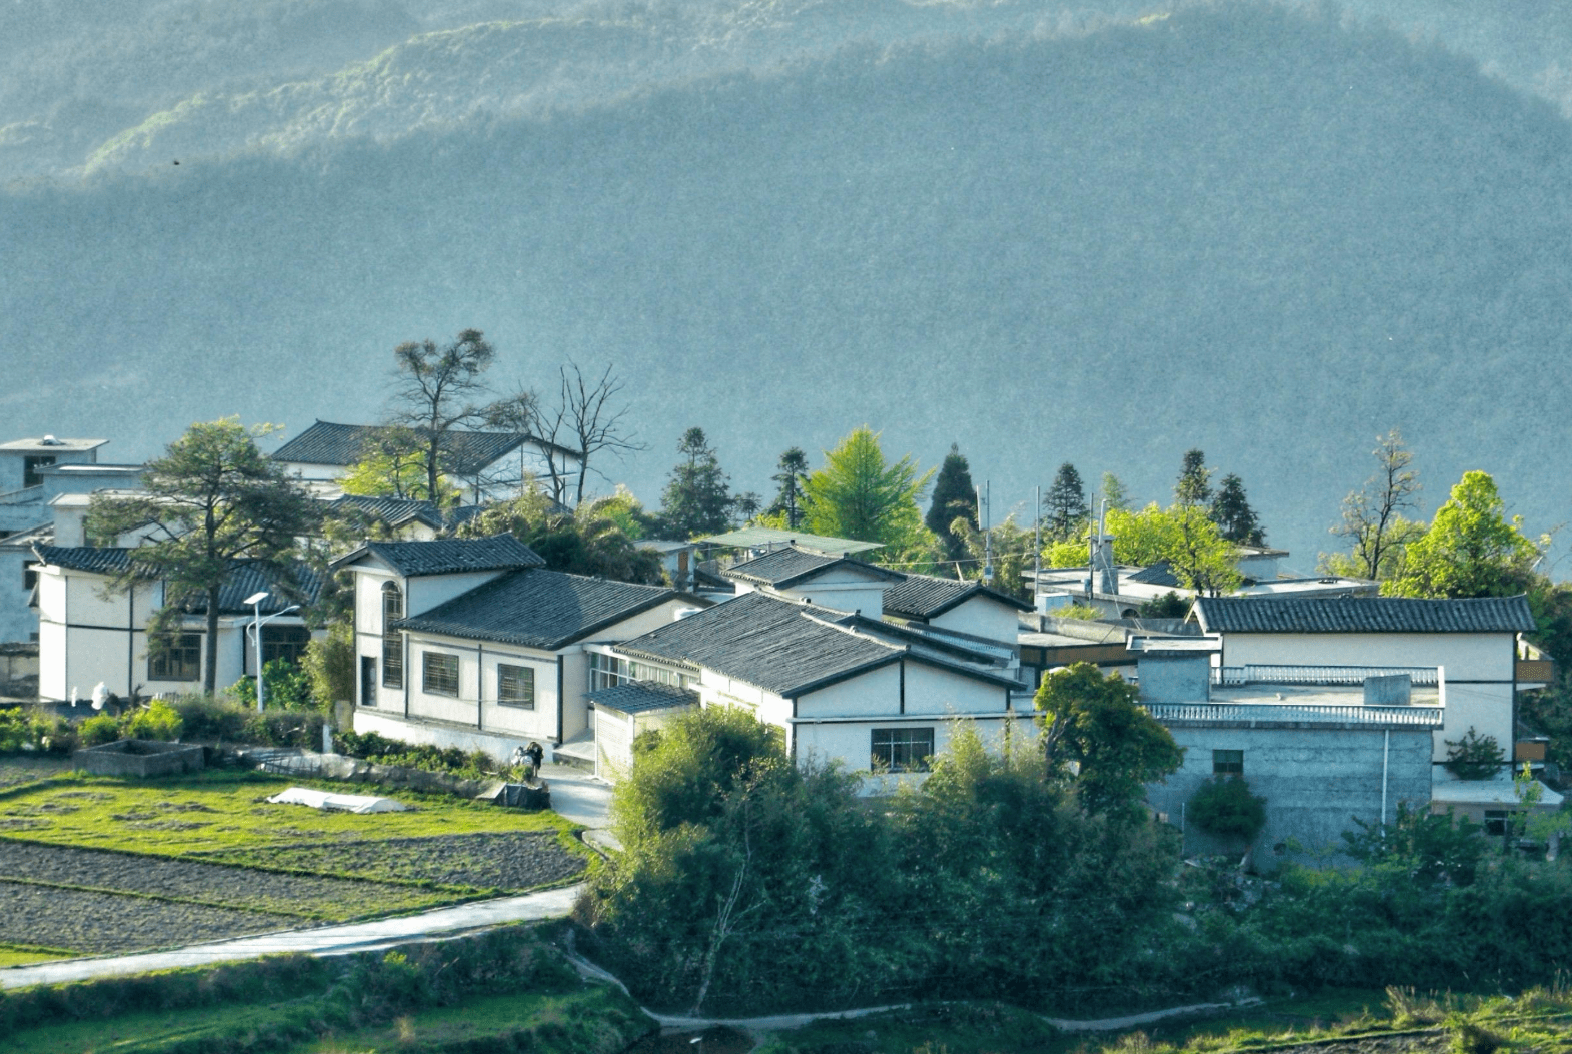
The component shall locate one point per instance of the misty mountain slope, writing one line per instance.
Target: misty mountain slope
(1266, 235)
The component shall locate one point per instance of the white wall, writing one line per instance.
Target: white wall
(424, 593)
(843, 589)
(930, 690)
(1466, 656)
(982, 617)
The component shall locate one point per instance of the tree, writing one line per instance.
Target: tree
(584, 418)
(436, 392)
(1194, 486)
(211, 501)
(1184, 537)
(1225, 807)
(1067, 510)
(1009, 545)
(697, 499)
(393, 464)
(1471, 548)
(1114, 493)
(1474, 757)
(954, 496)
(1095, 723)
(1373, 520)
(793, 469)
(595, 539)
(1236, 520)
(858, 495)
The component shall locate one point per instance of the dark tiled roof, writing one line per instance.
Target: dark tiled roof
(925, 597)
(447, 556)
(391, 511)
(643, 696)
(244, 580)
(784, 568)
(81, 558)
(327, 443)
(1160, 574)
(778, 645)
(538, 609)
(1364, 615)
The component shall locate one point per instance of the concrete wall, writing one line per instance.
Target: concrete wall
(1315, 782)
(982, 617)
(1175, 678)
(843, 589)
(499, 745)
(1466, 656)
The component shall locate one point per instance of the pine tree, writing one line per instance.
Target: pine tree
(697, 499)
(793, 466)
(1194, 486)
(1236, 520)
(954, 494)
(1066, 508)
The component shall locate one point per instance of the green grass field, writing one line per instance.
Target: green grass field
(227, 812)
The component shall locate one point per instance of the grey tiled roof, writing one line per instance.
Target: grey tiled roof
(244, 580)
(328, 443)
(643, 696)
(538, 609)
(447, 556)
(786, 647)
(1364, 615)
(82, 558)
(925, 597)
(784, 568)
(774, 644)
(389, 510)
(1160, 574)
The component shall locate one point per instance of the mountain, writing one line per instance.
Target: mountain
(1265, 233)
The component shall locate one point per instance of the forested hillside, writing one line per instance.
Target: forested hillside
(1270, 235)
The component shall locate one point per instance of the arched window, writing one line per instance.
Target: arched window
(392, 639)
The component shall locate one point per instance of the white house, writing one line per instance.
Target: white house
(1474, 641)
(88, 635)
(491, 464)
(473, 643)
(839, 686)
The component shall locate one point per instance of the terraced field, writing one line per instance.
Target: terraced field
(91, 865)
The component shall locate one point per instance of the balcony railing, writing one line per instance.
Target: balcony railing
(1268, 714)
(1352, 676)
(25, 496)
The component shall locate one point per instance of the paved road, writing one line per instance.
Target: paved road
(325, 940)
(578, 796)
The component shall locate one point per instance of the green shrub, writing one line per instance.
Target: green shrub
(23, 730)
(158, 720)
(288, 688)
(329, 662)
(1474, 757)
(476, 764)
(1225, 807)
(99, 729)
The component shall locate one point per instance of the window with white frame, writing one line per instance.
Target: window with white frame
(392, 640)
(439, 673)
(902, 749)
(516, 686)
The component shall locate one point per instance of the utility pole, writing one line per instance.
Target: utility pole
(983, 494)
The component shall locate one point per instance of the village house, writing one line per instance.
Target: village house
(88, 634)
(473, 643)
(489, 465)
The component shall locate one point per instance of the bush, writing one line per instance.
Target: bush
(23, 730)
(329, 663)
(102, 728)
(288, 688)
(158, 720)
(1474, 757)
(1225, 807)
(476, 764)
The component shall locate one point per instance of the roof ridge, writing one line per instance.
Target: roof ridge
(851, 632)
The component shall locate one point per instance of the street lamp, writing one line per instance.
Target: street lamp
(257, 622)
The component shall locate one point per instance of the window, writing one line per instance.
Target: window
(516, 686)
(439, 673)
(1228, 763)
(608, 671)
(1496, 821)
(180, 661)
(902, 749)
(30, 466)
(392, 640)
(29, 576)
(284, 642)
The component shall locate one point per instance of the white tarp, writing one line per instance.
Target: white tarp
(341, 802)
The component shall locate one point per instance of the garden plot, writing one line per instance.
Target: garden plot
(97, 923)
(95, 864)
(486, 861)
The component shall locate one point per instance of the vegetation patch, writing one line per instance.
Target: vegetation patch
(440, 996)
(485, 861)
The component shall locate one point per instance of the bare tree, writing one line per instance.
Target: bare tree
(585, 418)
(594, 420)
(437, 389)
(1372, 516)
